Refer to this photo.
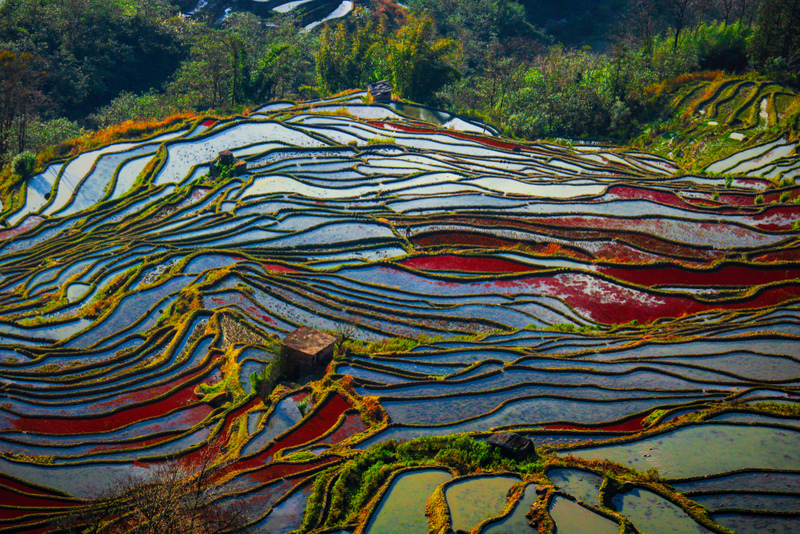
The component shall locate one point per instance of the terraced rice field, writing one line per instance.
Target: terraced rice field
(595, 300)
(715, 115)
(310, 13)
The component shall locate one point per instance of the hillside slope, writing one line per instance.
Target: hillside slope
(704, 117)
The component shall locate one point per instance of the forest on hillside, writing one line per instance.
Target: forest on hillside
(534, 68)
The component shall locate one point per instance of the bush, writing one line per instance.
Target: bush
(24, 163)
(52, 132)
(720, 46)
(130, 107)
(264, 383)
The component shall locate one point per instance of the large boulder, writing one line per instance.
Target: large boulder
(513, 445)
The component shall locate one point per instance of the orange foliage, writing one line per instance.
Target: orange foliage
(132, 129)
(372, 410)
(347, 382)
(552, 248)
(330, 368)
(137, 128)
(389, 13)
(668, 86)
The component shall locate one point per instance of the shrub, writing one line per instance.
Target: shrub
(42, 134)
(721, 46)
(128, 107)
(24, 163)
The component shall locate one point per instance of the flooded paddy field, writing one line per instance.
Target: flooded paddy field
(640, 326)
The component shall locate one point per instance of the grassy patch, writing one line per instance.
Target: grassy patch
(361, 478)
(652, 418)
(107, 297)
(792, 410)
(405, 344)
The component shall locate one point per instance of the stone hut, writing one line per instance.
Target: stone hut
(513, 445)
(380, 91)
(305, 350)
(227, 159)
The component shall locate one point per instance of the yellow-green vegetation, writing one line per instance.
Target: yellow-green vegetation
(42, 460)
(652, 418)
(12, 195)
(381, 141)
(569, 328)
(789, 409)
(316, 501)
(405, 344)
(264, 383)
(51, 301)
(436, 510)
(229, 384)
(109, 295)
(698, 112)
(189, 299)
(386, 345)
(372, 413)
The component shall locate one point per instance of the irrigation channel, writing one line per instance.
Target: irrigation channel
(640, 325)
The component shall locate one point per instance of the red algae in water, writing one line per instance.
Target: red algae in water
(630, 425)
(452, 262)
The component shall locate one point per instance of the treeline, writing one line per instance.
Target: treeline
(85, 64)
(71, 65)
(578, 91)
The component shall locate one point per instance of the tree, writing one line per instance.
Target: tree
(419, 64)
(92, 49)
(128, 106)
(776, 41)
(641, 23)
(748, 10)
(19, 97)
(679, 14)
(727, 9)
(203, 80)
(176, 498)
(348, 55)
(51, 132)
(245, 61)
(268, 61)
(562, 95)
(479, 26)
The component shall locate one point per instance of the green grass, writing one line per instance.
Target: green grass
(792, 409)
(405, 344)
